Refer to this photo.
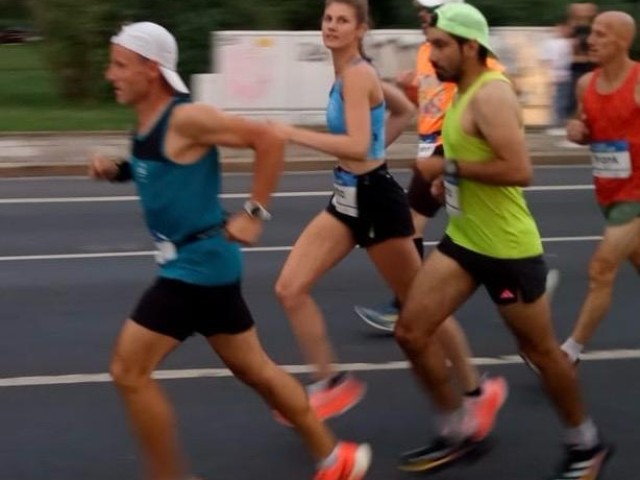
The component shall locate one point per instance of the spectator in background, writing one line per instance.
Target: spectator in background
(557, 56)
(581, 15)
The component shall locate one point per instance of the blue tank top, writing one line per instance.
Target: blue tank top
(336, 121)
(181, 201)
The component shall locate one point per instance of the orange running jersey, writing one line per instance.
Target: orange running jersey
(613, 120)
(434, 97)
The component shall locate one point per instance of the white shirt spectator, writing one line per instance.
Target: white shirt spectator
(557, 53)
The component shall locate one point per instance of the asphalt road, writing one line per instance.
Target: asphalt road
(74, 257)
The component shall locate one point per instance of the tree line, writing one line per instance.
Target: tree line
(76, 33)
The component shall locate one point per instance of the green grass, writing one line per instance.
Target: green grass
(30, 101)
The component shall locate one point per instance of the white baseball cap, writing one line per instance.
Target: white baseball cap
(437, 3)
(155, 43)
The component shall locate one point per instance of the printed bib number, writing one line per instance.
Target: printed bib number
(426, 149)
(452, 196)
(345, 193)
(611, 159)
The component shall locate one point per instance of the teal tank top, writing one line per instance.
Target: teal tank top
(181, 204)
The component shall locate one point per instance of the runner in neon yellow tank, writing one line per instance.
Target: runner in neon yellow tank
(491, 240)
(494, 219)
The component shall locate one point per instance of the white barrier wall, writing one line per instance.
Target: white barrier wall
(287, 75)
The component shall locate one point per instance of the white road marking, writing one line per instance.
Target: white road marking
(82, 178)
(145, 253)
(226, 196)
(84, 378)
(76, 256)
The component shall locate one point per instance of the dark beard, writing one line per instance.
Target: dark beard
(448, 77)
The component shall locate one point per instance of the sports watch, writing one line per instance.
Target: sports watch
(255, 210)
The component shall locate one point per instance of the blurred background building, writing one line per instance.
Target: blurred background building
(256, 57)
(287, 75)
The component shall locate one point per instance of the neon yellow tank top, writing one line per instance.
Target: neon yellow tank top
(495, 220)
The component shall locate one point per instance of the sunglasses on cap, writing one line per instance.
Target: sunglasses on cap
(433, 20)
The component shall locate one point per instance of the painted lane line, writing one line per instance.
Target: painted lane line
(228, 196)
(181, 374)
(146, 253)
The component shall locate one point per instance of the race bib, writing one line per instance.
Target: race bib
(427, 145)
(345, 193)
(166, 251)
(452, 195)
(426, 149)
(611, 159)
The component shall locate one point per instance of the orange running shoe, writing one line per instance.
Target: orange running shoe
(333, 397)
(485, 408)
(352, 463)
(340, 394)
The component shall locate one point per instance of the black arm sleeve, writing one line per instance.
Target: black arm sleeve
(124, 172)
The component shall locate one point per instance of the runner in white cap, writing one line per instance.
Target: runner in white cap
(155, 43)
(176, 168)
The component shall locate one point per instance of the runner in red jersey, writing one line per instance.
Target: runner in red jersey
(609, 121)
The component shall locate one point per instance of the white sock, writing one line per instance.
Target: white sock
(325, 383)
(331, 459)
(572, 348)
(454, 425)
(317, 386)
(584, 436)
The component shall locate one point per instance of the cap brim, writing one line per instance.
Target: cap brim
(430, 3)
(489, 47)
(174, 80)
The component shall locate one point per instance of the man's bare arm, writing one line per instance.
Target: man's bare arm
(496, 115)
(206, 126)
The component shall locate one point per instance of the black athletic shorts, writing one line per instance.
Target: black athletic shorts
(507, 280)
(178, 309)
(420, 198)
(382, 208)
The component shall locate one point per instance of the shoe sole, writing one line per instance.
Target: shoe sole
(362, 462)
(534, 369)
(377, 326)
(529, 364)
(606, 456)
(469, 455)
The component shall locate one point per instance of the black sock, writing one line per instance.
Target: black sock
(474, 393)
(419, 246)
(336, 379)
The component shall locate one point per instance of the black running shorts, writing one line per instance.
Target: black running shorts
(508, 281)
(383, 209)
(178, 309)
(420, 198)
